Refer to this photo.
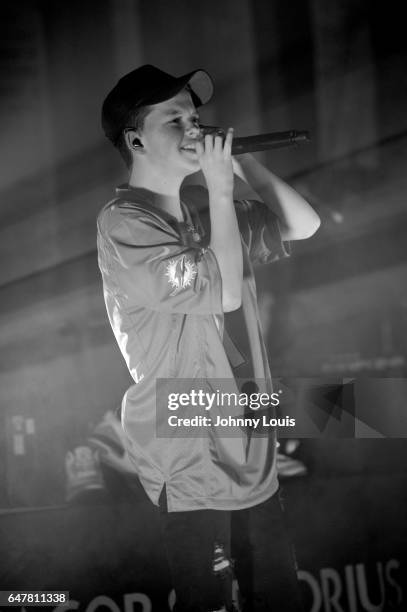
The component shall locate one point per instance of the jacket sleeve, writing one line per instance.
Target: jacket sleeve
(149, 265)
(261, 232)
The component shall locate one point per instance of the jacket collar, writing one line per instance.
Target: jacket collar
(143, 198)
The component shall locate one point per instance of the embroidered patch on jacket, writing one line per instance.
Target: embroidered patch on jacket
(181, 272)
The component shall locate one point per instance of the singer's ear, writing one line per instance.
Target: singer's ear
(133, 141)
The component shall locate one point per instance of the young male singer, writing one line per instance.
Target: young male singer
(177, 269)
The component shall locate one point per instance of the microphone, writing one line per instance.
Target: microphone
(261, 142)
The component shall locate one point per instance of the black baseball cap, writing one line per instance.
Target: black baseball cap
(149, 85)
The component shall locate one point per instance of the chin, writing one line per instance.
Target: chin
(192, 170)
(192, 167)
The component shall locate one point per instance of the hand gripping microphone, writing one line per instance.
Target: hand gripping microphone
(261, 142)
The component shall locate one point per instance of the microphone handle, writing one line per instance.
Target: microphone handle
(261, 142)
(264, 142)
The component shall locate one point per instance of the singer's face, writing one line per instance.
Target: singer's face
(170, 130)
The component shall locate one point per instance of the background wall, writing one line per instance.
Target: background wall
(338, 305)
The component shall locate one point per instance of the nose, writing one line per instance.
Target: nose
(193, 130)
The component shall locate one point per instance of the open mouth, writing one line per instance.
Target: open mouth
(190, 148)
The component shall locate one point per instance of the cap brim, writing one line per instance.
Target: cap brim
(201, 85)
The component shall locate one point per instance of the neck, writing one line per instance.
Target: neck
(165, 190)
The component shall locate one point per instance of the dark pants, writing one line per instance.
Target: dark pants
(255, 538)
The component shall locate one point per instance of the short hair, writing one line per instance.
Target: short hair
(135, 120)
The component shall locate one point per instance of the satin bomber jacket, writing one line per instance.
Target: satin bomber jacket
(162, 290)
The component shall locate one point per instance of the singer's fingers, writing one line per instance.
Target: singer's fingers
(218, 141)
(227, 147)
(208, 143)
(199, 148)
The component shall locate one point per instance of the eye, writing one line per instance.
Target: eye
(179, 119)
